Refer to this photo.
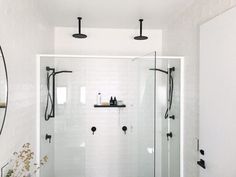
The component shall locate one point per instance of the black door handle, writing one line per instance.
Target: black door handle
(201, 163)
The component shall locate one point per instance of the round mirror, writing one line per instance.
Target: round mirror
(3, 90)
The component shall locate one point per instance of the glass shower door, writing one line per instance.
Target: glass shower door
(145, 120)
(170, 121)
(174, 124)
(158, 91)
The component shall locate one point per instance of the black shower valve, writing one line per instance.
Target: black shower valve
(93, 129)
(172, 117)
(169, 135)
(202, 163)
(202, 152)
(48, 137)
(124, 128)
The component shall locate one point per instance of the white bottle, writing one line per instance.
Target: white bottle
(99, 99)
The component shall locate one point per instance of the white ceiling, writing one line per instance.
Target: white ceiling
(113, 13)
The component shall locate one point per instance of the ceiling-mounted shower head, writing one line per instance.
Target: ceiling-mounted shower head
(141, 37)
(79, 35)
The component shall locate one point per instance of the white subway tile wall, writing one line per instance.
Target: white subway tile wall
(109, 152)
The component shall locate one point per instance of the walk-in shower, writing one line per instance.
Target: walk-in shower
(139, 138)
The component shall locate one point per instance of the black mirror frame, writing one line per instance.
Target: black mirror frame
(5, 113)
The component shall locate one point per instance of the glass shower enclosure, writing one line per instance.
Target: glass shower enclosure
(139, 137)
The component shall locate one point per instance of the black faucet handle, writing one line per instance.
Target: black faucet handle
(124, 128)
(169, 135)
(93, 129)
(202, 152)
(48, 137)
(202, 163)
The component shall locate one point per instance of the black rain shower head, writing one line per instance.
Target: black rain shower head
(79, 35)
(141, 37)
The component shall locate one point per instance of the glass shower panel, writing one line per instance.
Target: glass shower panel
(174, 124)
(110, 151)
(161, 155)
(170, 122)
(145, 120)
(71, 129)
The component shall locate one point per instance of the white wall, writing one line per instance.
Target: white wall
(23, 34)
(103, 41)
(182, 38)
(217, 95)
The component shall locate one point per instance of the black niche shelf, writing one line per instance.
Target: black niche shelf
(110, 106)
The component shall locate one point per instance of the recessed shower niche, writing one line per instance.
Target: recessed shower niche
(131, 140)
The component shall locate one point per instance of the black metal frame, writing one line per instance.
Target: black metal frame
(6, 74)
(155, 112)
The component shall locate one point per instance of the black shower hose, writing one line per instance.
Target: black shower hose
(49, 100)
(171, 90)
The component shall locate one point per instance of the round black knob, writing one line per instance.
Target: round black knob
(124, 128)
(93, 129)
(202, 152)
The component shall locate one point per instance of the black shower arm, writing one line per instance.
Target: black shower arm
(156, 69)
(55, 73)
(79, 25)
(163, 71)
(141, 27)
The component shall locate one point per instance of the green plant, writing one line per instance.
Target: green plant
(22, 165)
(9, 173)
